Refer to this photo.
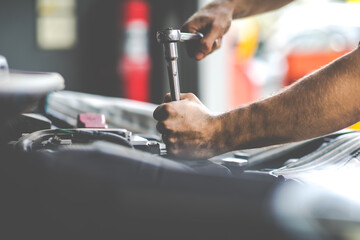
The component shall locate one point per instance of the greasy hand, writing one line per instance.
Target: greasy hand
(187, 127)
(213, 21)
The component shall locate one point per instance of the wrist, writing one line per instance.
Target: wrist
(234, 7)
(240, 128)
(232, 130)
(228, 6)
(220, 134)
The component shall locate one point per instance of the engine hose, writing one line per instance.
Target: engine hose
(27, 142)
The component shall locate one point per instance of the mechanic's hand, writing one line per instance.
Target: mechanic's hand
(188, 128)
(213, 21)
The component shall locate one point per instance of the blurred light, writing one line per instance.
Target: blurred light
(343, 181)
(134, 64)
(248, 40)
(56, 24)
(4, 69)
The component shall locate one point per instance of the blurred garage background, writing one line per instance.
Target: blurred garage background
(109, 47)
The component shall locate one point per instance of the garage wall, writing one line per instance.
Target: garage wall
(90, 66)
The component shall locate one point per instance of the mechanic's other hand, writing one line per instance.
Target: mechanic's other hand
(188, 128)
(213, 21)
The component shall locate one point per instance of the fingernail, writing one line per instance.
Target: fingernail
(199, 56)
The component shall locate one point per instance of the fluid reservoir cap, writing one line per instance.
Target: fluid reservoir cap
(91, 120)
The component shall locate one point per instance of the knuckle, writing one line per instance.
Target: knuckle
(160, 127)
(167, 108)
(166, 127)
(156, 113)
(171, 140)
(162, 112)
(171, 150)
(167, 98)
(206, 18)
(216, 26)
(193, 24)
(185, 27)
(192, 96)
(206, 45)
(175, 151)
(165, 139)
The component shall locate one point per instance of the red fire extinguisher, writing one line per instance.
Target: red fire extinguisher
(134, 65)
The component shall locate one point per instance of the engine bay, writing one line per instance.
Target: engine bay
(91, 163)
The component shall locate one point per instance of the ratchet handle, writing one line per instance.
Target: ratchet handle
(174, 35)
(190, 36)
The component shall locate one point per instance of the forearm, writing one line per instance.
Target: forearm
(246, 8)
(323, 102)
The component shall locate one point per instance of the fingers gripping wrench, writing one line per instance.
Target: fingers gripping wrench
(169, 38)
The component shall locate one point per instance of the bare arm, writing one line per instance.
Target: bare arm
(246, 8)
(323, 102)
(214, 21)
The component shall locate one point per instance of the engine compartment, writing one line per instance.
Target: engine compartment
(116, 182)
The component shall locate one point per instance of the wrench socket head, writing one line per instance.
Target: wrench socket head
(168, 35)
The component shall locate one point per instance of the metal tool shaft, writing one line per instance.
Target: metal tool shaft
(171, 56)
(174, 82)
(169, 38)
